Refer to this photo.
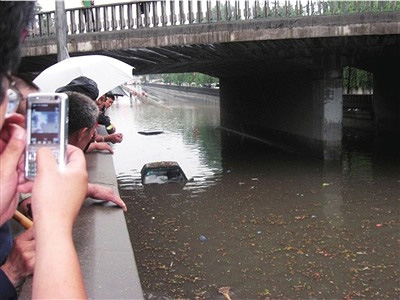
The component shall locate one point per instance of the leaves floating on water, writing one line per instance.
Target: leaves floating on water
(225, 291)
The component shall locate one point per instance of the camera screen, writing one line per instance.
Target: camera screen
(45, 123)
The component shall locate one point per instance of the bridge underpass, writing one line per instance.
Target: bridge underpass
(280, 80)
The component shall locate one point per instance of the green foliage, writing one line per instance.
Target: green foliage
(354, 78)
(343, 7)
(181, 78)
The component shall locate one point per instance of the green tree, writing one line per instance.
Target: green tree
(354, 78)
(180, 78)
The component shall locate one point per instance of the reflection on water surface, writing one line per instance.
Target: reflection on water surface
(257, 220)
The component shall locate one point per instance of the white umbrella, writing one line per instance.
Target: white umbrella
(106, 71)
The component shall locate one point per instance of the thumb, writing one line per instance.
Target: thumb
(45, 160)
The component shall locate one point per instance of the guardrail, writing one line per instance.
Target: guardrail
(187, 89)
(162, 13)
(362, 102)
(358, 106)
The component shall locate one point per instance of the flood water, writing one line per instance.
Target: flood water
(261, 222)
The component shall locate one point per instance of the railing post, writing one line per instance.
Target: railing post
(164, 17)
(155, 14)
(246, 10)
(256, 8)
(266, 9)
(227, 10)
(146, 14)
(172, 16)
(199, 12)
(208, 13)
(190, 16)
(381, 5)
(182, 17)
(49, 19)
(138, 16)
(235, 13)
(113, 25)
(300, 8)
(129, 16)
(218, 7)
(34, 27)
(106, 22)
(97, 21)
(81, 21)
(88, 19)
(121, 16)
(72, 27)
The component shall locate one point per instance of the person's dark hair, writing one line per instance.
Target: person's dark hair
(81, 85)
(14, 20)
(23, 80)
(83, 112)
(110, 95)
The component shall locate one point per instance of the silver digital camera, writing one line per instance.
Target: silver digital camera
(47, 126)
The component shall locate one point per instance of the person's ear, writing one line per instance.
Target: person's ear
(82, 133)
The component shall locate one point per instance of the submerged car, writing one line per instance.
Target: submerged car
(162, 172)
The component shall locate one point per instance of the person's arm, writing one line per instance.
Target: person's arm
(96, 191)
(57, 197)
(111, 129)
(106, 121)
(99, 146)
(110, 138)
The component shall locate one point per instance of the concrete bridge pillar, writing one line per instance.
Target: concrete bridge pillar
(299, 111)
(387, 97)
(327, 94)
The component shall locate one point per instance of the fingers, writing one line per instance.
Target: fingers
(16, 119)
(108, 148)
(46, 160)
(118, 201)
(117, 138)
(28, 235)
(25, 186)
(13, 150)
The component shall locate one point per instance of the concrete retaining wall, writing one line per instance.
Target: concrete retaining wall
(102, 242)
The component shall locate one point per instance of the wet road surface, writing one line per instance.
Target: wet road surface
(261, 222)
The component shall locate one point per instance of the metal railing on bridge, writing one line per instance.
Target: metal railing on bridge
(161, 13)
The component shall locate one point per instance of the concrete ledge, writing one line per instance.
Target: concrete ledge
(102, 242)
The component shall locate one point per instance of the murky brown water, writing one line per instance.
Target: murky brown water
(262, 222)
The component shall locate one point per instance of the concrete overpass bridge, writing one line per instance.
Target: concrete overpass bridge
(279, 62)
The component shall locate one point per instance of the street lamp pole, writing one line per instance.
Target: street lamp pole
(61, 31)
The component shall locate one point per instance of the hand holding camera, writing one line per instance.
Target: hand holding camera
(47, 126)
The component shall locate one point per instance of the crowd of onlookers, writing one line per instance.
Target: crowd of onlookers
(54, 198)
